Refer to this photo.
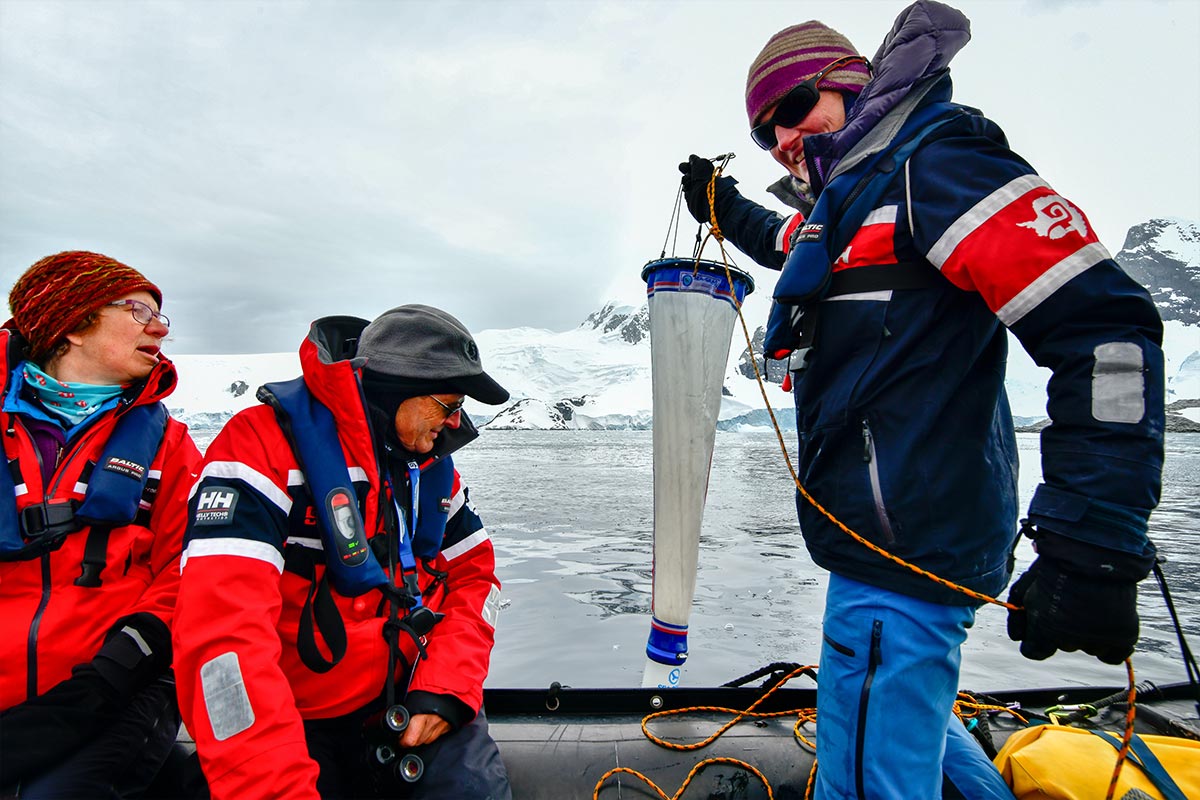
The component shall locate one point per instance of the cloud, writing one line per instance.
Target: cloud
(271, 162)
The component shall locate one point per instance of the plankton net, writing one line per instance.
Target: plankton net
(692, 305)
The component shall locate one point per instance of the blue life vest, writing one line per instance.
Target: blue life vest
(114, 490)
(839, 212)
(350, 563)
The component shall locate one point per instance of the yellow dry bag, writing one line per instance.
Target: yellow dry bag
(1055, 762)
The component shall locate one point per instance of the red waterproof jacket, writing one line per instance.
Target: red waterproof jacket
(243, 689)
(47, 623)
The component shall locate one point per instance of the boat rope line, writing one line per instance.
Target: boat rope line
(969, 710)
(803, 715)
(694, 771)
(715, 232)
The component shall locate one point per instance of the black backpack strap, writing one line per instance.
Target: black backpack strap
(95, 556)
(319, 614)
(881, 277)
(859, 280)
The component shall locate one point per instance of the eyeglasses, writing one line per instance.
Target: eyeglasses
(449, 411)
(797, 104)
(142, 313)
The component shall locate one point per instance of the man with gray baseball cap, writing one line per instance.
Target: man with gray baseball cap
(338, 597)
(419, 364)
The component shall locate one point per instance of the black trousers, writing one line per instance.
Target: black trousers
(122, 761)
(460, 765)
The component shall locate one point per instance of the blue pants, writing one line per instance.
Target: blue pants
(887, 684)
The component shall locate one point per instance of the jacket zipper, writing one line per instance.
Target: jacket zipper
(872, 459)
(31, 660)
(874, 659)
(31, 666)
(35, 624)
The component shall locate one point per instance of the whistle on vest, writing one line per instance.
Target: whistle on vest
(421, 620)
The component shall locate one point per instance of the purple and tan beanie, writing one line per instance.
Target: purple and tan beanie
(56, 295)
(794, 55)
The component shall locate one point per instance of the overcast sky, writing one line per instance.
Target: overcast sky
(267, 163)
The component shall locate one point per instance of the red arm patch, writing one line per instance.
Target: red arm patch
(1017, 246)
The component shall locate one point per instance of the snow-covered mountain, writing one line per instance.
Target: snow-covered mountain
(597, 376)
(1164, 256)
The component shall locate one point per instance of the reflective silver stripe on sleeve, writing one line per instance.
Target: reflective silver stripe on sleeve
(225, 696)
(981, 212)
(138, 640)
(457, 502)
(244, 548)
(1050, 282)
(466, 544)
(491, 606)
(1118, 383)
(261, 483)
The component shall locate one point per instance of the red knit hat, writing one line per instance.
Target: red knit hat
(56, 295)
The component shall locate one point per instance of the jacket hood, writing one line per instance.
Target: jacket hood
(922, 42)
(333, 373)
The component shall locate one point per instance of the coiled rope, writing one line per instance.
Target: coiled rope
(803, 715)
(965, 708)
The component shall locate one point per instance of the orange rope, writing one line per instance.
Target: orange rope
(695, 770)
(804, 714)
(1128, 737)
(965, 707)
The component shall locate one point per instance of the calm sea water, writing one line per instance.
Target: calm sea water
(571, 517)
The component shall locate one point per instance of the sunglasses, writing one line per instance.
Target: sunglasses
(142, 313)
(797, 104)
(449, 411)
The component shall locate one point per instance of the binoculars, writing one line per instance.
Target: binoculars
(383, 731)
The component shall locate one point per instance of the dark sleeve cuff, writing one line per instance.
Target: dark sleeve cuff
(446, 706)
(1091, 561)
(137, 651)
(1092, 522)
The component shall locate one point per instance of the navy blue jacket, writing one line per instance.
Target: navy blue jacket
(905, 430)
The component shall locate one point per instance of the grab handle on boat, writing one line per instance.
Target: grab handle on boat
(552, 701)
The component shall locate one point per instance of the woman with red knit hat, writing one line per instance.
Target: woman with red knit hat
(92, 514)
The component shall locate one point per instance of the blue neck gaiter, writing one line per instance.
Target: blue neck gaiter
(74, 402)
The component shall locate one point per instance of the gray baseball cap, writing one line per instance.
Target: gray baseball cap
(422, 345)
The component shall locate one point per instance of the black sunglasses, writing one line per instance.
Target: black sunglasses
(449, 411)
(797, 104)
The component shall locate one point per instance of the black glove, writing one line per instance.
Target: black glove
(1077, 596)
(46, 729)
(697, 173)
